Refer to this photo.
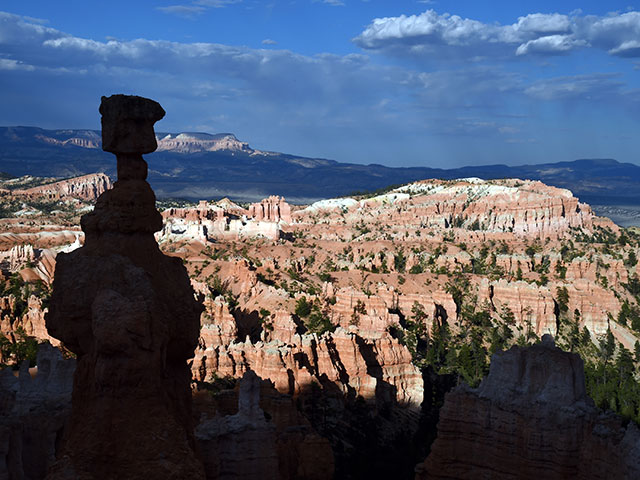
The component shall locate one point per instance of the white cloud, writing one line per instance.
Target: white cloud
(268, 41)
(590, 87)
(9, 64)
(543, 23)
(428, 27)
(42, 21)
(550, 45)
(446, 29)
(437, 35)
(188, 11)
(16, 29)
(197, 7)
(629, 48)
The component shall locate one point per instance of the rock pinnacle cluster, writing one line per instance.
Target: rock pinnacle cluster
(128, 313)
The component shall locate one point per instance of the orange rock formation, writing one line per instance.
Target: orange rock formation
(271, 209)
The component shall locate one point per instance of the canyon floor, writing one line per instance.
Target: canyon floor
(358, 313)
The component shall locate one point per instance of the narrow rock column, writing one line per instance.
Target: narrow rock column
(128, 312)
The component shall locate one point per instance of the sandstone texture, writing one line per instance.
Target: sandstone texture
(525, 208)
(533, 306)
(87, 187)
(531, 418)
(27, 316)
(225, 220)
(272, 209)
(128, 312)
(379, 370)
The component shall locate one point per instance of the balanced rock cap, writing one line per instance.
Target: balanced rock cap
(127, 124)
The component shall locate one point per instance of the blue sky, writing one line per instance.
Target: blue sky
(401, 83)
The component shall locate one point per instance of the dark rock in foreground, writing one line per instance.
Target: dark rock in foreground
(33, 413)
(250, 432)
(128, 312)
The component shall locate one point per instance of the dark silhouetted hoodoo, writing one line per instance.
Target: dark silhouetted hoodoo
(128, 312)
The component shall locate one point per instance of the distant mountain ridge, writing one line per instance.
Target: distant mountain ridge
(195, 142)
(184, 142)
(198, 165)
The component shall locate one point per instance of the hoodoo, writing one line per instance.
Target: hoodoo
(128, 312)
(531, 418)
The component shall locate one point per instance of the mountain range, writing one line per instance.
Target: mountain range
(201, 165)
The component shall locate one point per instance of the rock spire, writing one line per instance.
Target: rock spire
(128, 312)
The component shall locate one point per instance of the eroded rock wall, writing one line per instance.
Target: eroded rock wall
(531, 418)
(88, 187)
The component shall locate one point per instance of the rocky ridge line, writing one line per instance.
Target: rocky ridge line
(87, 187)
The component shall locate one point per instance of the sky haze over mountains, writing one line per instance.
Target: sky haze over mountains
(403, 83)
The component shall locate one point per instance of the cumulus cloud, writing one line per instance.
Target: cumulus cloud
(610, 32)
(446, 29)
(428, 27)
(431, 33)
(541, 23)
(268, 41)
